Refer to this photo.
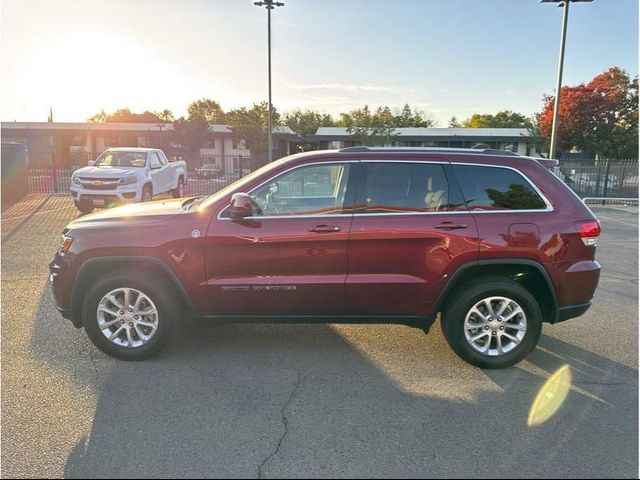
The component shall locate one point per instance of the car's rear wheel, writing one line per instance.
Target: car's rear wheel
(492, 322)
(178, 192)
(129, 317)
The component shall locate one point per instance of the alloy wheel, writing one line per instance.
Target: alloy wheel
(127, 317)
(495, 326)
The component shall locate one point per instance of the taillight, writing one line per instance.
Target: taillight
(589, 231)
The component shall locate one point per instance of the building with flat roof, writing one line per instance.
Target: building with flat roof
(75, 143)
(517, 140)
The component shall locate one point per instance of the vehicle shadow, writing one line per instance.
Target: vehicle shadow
(340, 401)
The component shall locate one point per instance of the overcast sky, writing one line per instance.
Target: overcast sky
(453, 57)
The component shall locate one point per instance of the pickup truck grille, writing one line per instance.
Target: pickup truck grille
(99, 183)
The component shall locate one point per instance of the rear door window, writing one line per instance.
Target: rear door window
(398, 187)
(496, 188)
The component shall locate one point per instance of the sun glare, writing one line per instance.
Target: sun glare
(83, 67)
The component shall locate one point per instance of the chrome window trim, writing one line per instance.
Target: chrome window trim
(549, 205)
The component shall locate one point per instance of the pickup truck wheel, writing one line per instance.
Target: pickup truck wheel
(129, 317)
(492, 322)
(147, 194)
(83, 207)
(178, 192)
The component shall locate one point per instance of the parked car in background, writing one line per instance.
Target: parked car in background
(630, 182)
(496, 244)
(592, 183)
(122, 175)
(630, 187)
(209, 170)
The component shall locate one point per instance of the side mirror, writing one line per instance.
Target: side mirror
(241, 206)
(91, 162)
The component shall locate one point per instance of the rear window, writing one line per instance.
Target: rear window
(496, 188)
(396, 187)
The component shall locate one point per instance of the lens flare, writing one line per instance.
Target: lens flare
(550, 397)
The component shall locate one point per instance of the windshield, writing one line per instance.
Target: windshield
(122, 159)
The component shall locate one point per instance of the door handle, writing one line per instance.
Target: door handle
(450, 226)
(324, 229)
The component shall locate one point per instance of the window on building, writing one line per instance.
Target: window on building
(396, 187)
(495, 188)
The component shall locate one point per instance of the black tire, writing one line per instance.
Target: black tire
(147, 193)
(467, 295)
(178, 192)
(83, 207)
(161, 293)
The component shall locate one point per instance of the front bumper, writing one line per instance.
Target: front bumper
(60, 280)
(104, 198)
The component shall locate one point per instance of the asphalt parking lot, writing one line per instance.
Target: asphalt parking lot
(310, 401)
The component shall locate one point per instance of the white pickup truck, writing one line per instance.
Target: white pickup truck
(122, 175)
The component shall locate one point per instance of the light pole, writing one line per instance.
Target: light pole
(269, 5)
(563, 38)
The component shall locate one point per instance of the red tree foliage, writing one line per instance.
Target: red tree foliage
(600, 116)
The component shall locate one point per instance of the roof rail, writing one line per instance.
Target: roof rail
(485, 151)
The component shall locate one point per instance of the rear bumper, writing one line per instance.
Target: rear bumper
(573, 311)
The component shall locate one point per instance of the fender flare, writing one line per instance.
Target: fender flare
(173, 279)
(499, 261)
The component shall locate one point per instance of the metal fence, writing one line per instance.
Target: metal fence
(602, 178)
(50, 172)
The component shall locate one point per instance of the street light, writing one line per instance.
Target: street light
(269, 5)
(563, 38)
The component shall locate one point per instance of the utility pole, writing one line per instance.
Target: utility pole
(269, 5)
(563, 38)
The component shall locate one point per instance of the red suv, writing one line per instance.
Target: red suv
(492, 241)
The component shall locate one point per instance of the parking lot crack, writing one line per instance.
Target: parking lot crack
(285, 423)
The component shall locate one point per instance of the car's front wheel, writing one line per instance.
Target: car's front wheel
(147, 194)
(492, 322)
(130, 317)
(83, 206)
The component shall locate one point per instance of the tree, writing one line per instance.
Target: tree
(99, 117)
(600, 116)
(124, 115)
(412, 118)
(190, 134)
(165, 116)
(503, 119)
(251, 126)
(206, 109)
(369, 128)
(307, 122)
(454, 123)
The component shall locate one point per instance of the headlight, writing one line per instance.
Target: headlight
(65, 243)
(128, 180)
(75, 179)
